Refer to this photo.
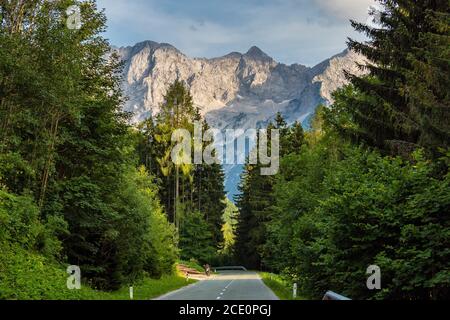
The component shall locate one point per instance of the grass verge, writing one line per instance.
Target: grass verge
(279, 286)
(147, 288)
(25, 275)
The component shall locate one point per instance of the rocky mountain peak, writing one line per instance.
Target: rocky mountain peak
(256, 53)
(234, 91)
(230, 82)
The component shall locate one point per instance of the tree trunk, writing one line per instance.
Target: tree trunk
(8, 106)
(45, 176)
(17, 17)
(177, 196)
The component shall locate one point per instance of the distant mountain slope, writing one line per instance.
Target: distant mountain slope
(234, 91)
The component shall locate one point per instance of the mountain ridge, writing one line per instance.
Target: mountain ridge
(219, 82)
(237, 90)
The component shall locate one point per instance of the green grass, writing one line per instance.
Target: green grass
(146, 289)
(279, 286)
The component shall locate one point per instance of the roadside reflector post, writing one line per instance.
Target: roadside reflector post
(131, 293)
(294, 291)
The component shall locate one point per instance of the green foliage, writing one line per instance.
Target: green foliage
(25, 275)
(334, 217)
(20, 224)
(282, 288)
(340, 207)
(148, 288)
(229, 227)
(226, 254)
(70, 192)
(257, 197)
(209, 198)
(183, 188)
(146, 239)
(196, 238)
(28, 251)
(67, 154)
(404, 103)
(19, 219)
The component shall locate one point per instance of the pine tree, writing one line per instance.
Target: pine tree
(177, 112)
(196, 187)
(404, 103)
(253, 201)
(196, 238)
(209, 198)
(208, 194)
(256, 198)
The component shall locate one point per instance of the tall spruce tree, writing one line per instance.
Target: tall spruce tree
(200, 187)
(209, 195)
(177, 112)
(256, 198)
(404, 102)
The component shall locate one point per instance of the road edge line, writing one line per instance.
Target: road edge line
(168, 294)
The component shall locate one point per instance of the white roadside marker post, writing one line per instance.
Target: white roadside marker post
(294, 293)
(131, 293)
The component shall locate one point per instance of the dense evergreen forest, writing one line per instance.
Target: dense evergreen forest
(369, 183)
(78, 184)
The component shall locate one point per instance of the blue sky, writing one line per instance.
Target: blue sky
(291, 31)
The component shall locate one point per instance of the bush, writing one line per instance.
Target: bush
(28, 251)
(26, 275)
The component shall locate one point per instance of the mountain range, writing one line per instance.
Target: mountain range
(238, 90)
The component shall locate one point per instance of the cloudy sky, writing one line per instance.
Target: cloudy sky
(291, 31)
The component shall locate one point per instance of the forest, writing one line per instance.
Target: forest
(367, 184)
(78, 184)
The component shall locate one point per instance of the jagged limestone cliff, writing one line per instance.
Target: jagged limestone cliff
(234, 91)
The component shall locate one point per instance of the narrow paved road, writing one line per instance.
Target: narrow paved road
(227, 285)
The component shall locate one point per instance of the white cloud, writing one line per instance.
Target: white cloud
(142, 19)
(302, 31)
(346, 9)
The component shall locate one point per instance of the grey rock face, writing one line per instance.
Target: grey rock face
(234, 91)
(251, 83)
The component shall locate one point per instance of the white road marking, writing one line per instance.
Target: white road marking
(229, 284)
(224, 289)
(195, 290)
(164, 296)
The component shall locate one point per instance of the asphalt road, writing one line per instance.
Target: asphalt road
(229, 285)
